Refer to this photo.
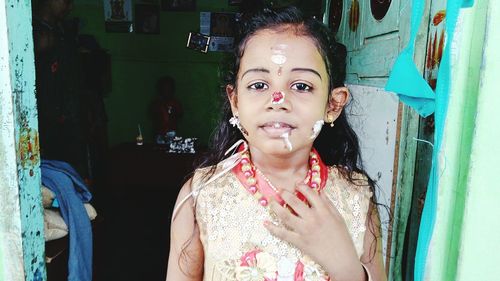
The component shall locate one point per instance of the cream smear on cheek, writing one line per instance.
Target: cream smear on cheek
(316, 128)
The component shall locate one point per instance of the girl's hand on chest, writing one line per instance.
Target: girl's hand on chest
(317, 230)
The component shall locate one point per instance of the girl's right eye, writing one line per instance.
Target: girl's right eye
(258, 86)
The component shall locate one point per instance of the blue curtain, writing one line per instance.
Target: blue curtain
(410, 86)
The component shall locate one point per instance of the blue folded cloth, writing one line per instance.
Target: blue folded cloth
(71, 192)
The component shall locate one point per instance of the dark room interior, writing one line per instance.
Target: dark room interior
(134, 187)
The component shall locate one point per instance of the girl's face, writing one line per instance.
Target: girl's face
(273, 63)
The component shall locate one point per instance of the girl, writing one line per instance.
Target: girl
(274, 210)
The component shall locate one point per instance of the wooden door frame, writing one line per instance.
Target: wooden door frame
(21, 220)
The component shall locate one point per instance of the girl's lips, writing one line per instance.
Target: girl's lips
(276, 129)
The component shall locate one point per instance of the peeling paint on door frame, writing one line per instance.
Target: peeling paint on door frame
(22, 242)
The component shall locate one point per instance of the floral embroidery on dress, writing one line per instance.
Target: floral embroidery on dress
(256, 265)
(311, 271)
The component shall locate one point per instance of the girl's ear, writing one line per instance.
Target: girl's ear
(232, 97)
(338, 99)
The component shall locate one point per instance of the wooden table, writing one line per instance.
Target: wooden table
(137, 200)
(148, 165)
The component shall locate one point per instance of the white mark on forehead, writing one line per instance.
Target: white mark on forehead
(278, 59)
(278, 54)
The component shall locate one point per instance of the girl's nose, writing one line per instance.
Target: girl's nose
(279, 101)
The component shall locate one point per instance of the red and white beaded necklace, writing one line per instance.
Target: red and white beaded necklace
(261, 187)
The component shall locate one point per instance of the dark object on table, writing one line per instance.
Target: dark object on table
(182, 145)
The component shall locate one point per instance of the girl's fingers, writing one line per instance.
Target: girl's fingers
(310, 194)
(283, 233)
(285, 215)
(297, 205)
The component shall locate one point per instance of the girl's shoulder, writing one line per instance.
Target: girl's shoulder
(210, 174)
(203, 174)
(352, 181)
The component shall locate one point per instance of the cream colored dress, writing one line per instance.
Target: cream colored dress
(238, 247)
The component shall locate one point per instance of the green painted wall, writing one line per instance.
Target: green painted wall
(139, 59)
(480, 243)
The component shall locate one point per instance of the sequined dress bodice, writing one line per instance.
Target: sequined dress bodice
(237, 246)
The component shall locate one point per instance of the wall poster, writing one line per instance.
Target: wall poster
(118, 15)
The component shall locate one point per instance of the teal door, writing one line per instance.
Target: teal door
(374, 32)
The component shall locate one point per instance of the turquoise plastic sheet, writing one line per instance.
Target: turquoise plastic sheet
(407, 82)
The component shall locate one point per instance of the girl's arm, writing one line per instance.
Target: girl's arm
(185, 262)
(372, 258)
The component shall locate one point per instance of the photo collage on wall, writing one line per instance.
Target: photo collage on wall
(217, 29)
(220, 28)
(119, 16)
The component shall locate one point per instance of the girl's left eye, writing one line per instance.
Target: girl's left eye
(301, 87)
(259, 86)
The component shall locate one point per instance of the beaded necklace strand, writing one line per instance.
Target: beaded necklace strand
(313, 178)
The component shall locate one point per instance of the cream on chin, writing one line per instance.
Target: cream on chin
(286, 139)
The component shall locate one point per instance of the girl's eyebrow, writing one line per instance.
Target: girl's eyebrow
(255, 70)
(293, 69)
(308, 70)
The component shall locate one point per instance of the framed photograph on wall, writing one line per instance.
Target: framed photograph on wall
(178, 5)
(221, 28)
(147, 19)
(222, 24)
(118, 15)
(155, 2)
(198, 42)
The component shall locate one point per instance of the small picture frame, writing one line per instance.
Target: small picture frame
(147, 19)
(198, 42)
(118, 16)
(222, 24)
(152, 2)
(178, 5)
